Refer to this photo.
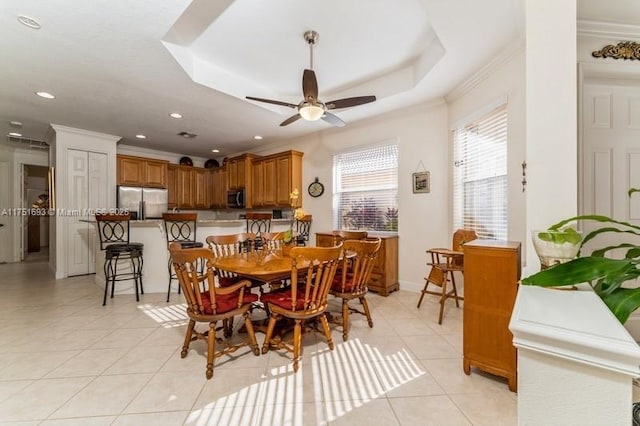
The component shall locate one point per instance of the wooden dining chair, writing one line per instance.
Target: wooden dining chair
(444, 264)
(228, 245)
(272, 240)
(304, 299)
(341, 235)
(208, 302)
(351, 282)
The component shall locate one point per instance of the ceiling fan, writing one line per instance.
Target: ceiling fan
(311, 108)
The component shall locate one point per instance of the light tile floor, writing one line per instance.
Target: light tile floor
(67, 360)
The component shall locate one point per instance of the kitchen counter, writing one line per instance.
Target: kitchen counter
(151, 233)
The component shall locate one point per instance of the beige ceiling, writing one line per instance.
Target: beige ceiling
(120, 67)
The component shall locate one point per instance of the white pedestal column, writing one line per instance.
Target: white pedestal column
(576, 362)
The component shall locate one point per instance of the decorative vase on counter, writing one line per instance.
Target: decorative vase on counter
(556, 246)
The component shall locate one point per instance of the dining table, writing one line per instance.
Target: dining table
(265, 266)
(260, 265)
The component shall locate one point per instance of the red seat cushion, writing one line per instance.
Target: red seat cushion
(228, 281)
(337, 283)
(283, 298)
(226, 302)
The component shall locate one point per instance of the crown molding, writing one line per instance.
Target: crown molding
(608, 30)
(504, 56)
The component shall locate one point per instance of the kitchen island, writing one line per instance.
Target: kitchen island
(151, 233)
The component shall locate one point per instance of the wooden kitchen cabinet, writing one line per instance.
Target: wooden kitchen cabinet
(155, 173)
(288, 176)
(139, 171)
(172, 185)
(239, 175)
(491, 274)
(200, 188)
(188, 187)
(257, 186)
(384, 278)
(219, 188)
(185, 188)
(280, 174)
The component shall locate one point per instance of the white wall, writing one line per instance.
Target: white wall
(421, 134)
(503, 82)
(551, 116)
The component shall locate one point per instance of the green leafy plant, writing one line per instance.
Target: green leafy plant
(364, 214)
(606, 275)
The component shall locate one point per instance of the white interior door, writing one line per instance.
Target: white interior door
(98, 197)
(611, 161)
(78, 200)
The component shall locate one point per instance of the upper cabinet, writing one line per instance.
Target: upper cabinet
(239, 171)
(218, 185)
(138, 171)
(280, 174)
(267, 181)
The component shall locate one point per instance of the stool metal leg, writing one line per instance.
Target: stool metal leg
(106, 280)
(170, 277)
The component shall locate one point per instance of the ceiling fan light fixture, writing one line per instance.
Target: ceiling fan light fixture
(311, 112)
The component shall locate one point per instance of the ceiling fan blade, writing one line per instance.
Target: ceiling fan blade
(290, 120)
(349, 102)
(309, 85)
(333, 119)
(269, 101)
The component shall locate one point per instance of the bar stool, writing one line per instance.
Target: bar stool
(257, 223)
(113, 231)
(303, 228)
(179, 228)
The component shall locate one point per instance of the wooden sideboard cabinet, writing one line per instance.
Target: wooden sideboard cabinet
(491, 275)
(384, 278)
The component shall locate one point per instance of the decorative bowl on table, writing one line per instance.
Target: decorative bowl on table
(556, 246)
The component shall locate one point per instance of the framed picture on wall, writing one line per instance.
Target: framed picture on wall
(421, 182)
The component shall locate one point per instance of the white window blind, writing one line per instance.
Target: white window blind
(365, 195)
(480, 175)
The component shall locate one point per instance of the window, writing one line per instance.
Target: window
(480, 175)
(365, 195)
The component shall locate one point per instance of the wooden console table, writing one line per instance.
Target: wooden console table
(384, 278)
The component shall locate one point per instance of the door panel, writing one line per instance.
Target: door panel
(98, 199)
(611, 154)
(77, 202)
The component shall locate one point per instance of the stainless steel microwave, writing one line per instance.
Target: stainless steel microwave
(236, 198)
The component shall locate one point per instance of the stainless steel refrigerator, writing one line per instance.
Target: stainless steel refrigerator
(147, 203)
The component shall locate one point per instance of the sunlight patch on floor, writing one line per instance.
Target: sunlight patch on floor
(343, 380)
(168, 316)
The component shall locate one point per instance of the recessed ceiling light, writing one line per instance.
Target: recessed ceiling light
(16, 124)
(141, 136)
(15, 134)
(29, 22)
(45, 95)
(257, 137)
(215, 150)
(175, 115)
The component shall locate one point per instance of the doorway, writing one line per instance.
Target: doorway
(35, 227)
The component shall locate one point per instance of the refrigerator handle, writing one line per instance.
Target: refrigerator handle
(141, 212)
